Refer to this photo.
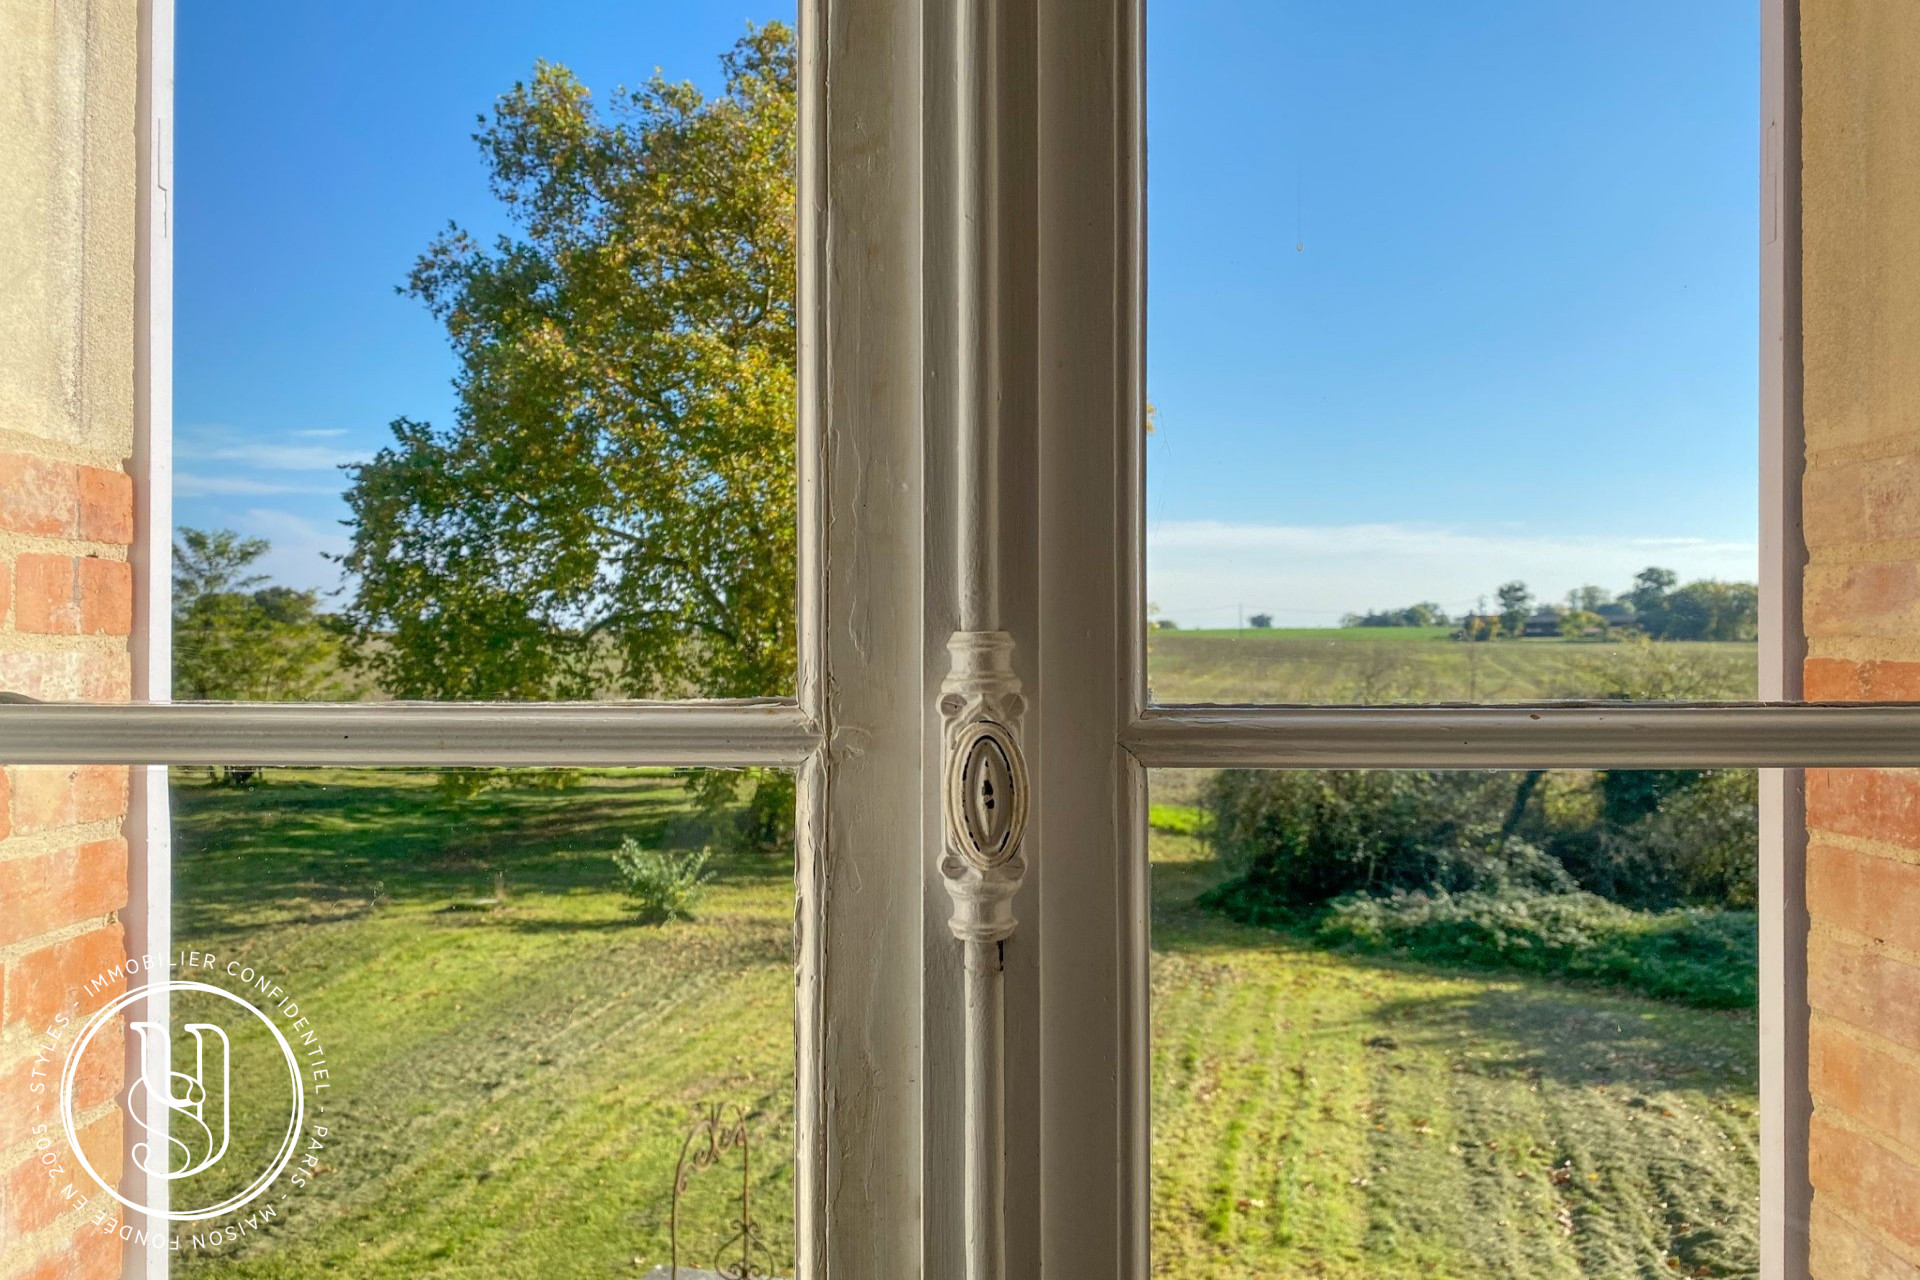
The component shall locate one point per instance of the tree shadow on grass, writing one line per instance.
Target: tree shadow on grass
(1496, 1023)
(1540, 1030)
(330, 845)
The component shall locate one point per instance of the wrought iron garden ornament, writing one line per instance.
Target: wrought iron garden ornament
(719, 1128)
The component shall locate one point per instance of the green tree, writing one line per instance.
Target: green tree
(1576, 622)
(1650, 587)
(235, 640)
(1516, 606)
(612, 509)
(1709, 610)
(1589, 598)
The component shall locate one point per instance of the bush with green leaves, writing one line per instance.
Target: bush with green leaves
(1295, 839)
(1694, 955)
(1653, 839)
(662, 886)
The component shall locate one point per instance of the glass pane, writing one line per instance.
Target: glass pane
(485, 411)
(1442, 1024)
(514, 1004)
(1452, 351)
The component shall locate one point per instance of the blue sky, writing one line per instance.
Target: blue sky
(1440, 294)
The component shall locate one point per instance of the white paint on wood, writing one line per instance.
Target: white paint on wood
(148, 916)
(1786, 1100)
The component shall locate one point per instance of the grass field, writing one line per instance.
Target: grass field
(1396, 664)
(1321, 1115)
(514, 1078)
(513, 1081)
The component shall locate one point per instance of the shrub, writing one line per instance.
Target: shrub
(1295, 839)
(1696, 955)
(1649, 838)
(662, 886)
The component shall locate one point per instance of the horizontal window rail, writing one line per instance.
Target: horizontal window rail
(731, 734)
(774, 732)
(1562, 735)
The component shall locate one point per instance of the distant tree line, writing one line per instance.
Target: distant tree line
(1655, 606)
(1424, 614)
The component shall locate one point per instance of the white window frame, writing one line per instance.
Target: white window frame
(970, 471)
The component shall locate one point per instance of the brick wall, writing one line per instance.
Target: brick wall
(1861, 192)
(67, 186)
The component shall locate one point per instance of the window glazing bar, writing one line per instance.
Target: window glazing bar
(772, 732)
(1530, 736)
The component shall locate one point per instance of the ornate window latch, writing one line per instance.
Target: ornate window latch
(985, 785)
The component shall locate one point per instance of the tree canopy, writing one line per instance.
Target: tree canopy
(611, 511)
(237, 640)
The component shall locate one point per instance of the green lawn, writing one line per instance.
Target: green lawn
(1394, 664)
(514, 1079)
(1324, 1115)
(513, 1082)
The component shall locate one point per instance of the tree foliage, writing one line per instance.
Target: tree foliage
(237, 640)
(1516, 606)
(1424, 614)
(611, 511)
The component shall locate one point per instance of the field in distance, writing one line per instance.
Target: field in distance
(1425, 664)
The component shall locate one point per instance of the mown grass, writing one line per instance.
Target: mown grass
(513, 1078)
(1393, 664)
(1328, 1115)
(1701, 956)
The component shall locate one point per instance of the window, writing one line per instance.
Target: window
(969, 727)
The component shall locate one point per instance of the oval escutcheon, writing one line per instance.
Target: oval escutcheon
(987, 792)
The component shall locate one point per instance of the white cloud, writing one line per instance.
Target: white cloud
(1201, 572)
(299, 548)
(265, 451)
(320, 433)
(190, 484)
(276, 457)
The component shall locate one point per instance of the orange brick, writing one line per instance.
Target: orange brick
(1876, 1089)
(104, 677)
(90, 1254)
(1865, 989)
(6, 586)
(38, 495)
(6, 805)
(73, 596)
(105, 501)
(1841, 1251)
(65, 500)
(1838, 680)
(50, 796)
(1869, 804)
(68, 677)
(1875, 896)
(42, 983)
(1873, 1183)
(99, 1077)
(1875, 501)
(31, 1193)
(101, 1140)
(50, 890)
(1865, 599)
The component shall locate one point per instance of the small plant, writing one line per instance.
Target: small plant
(662, 886)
